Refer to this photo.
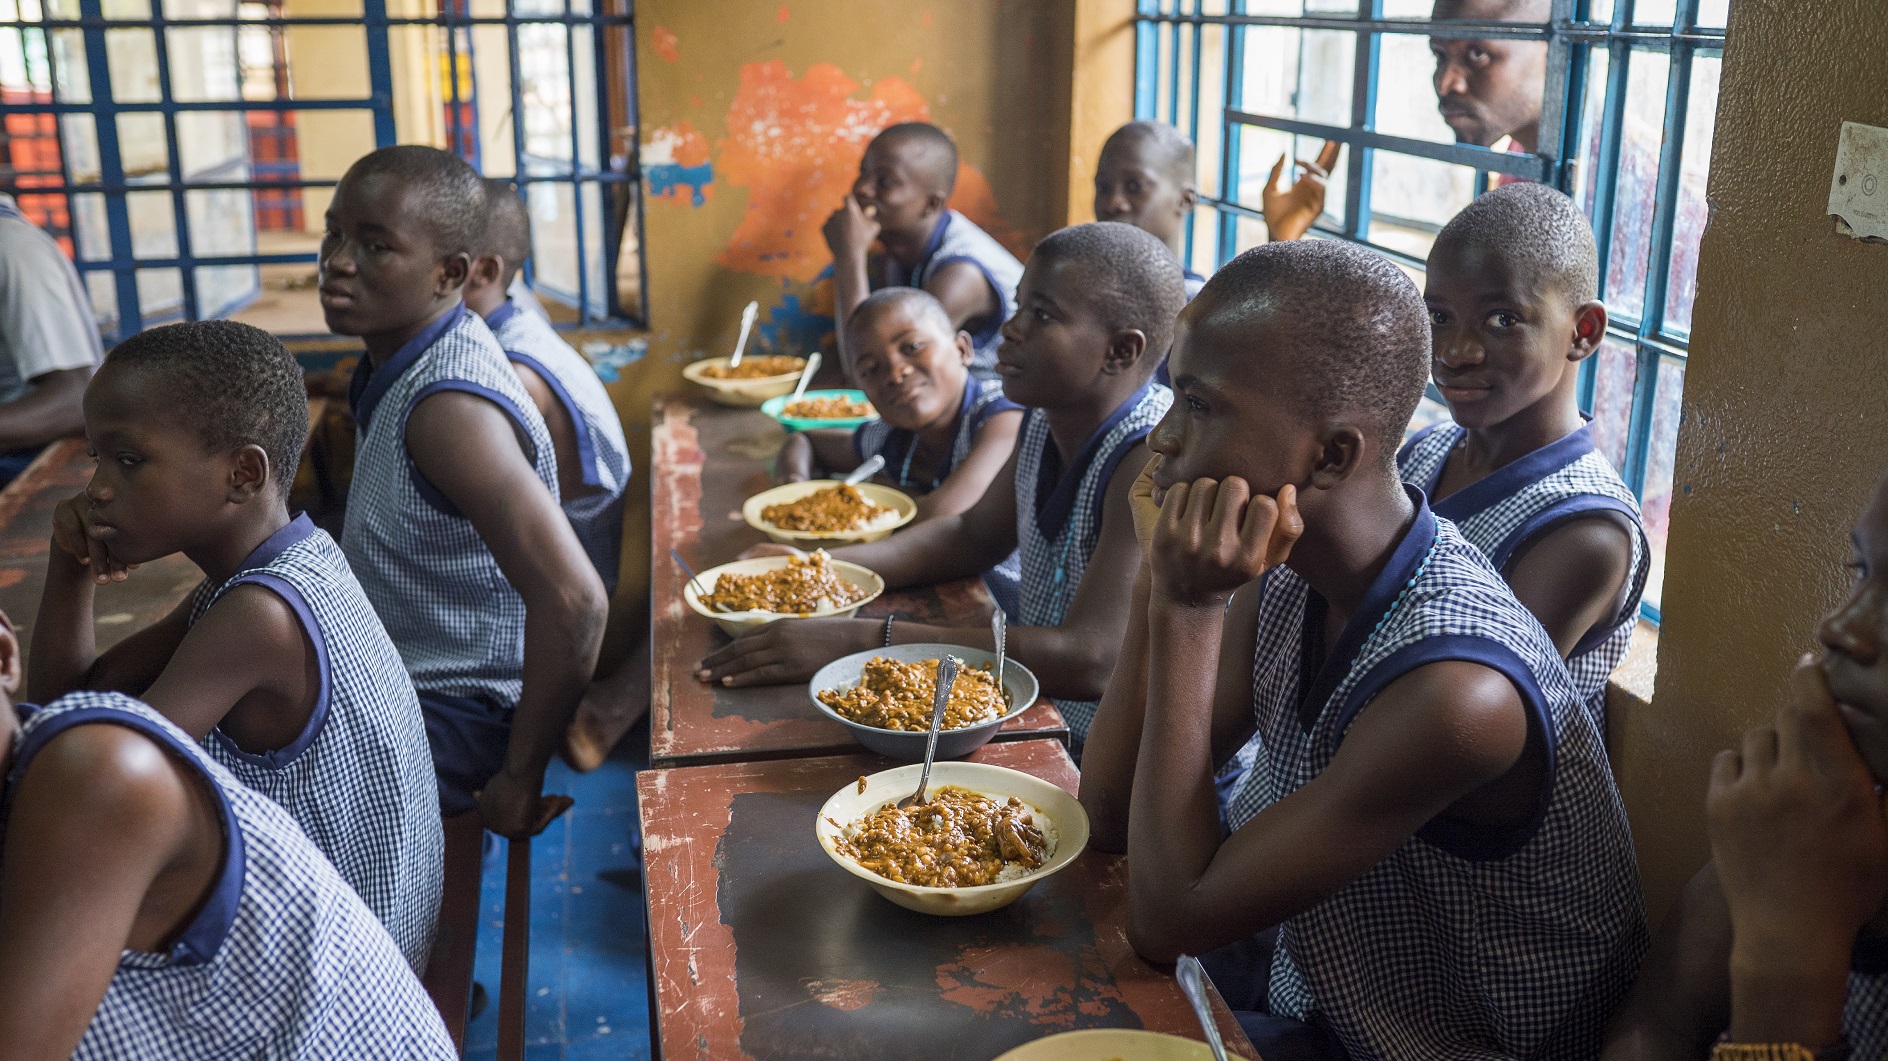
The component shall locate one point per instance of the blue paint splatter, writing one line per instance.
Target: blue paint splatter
(791, 327)
(609, 361)
(665, 177)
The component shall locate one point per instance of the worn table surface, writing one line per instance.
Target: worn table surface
(707, 460)
(26, 508)
(763, 948)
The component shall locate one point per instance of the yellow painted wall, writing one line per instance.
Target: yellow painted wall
(1784, 429)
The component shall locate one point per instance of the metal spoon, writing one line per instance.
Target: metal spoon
(806, 376)
(865, 471)
(1192, 979)
(999, 628)
(695, 581)
(747, 324)
(946, 678)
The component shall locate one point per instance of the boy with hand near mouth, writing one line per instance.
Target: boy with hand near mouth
(1512, 291)
(454, 525)
(1430, 818)
(1097, 309)
(1780, 944)
(277, 664)
(901, 201)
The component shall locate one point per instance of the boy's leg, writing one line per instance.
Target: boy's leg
(617, 698)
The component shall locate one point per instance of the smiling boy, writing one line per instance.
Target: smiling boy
(1512, 289)
(901, 201)
(454, 526)
(277, 663)
(1097, 308)
(1430, 817)
(1781, 942)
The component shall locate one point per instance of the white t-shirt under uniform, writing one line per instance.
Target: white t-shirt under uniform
(46, 321)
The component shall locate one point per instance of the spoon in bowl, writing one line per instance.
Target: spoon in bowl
(806, 376)
(1192, 977)
(998, 629)
(695, 581)
(946, 678)
(747, 324)
(865, 471)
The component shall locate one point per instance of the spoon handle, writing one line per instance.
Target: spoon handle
(1192, 976)
(865, 471)
(806, 376)
(946, 678)
(748, 316)
(694, 580)
(998, 631)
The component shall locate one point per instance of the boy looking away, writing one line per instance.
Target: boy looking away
(277, 663)
(1097, 308)
(901, 200)
(454, 526)
(1512, 290)
(1430, 816)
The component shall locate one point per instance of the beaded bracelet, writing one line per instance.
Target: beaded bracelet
(888, 630)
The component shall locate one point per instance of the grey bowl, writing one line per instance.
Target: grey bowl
(908, 745)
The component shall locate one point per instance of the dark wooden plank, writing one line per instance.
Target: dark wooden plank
(707, 460)
(763, 948)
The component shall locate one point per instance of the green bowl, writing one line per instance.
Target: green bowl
(772, 407)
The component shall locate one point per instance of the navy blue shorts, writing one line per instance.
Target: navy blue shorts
(469, 738)
(1242, 972)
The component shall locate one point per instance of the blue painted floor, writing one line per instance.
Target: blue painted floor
(588, 997)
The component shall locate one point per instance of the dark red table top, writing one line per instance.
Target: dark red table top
(763, 948)
(708, 459)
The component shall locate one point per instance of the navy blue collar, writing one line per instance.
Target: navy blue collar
(1191, 275)
(1510, 479)
(294, 532)
(497, 318)
(1053, 506)
(369, 385)
(910, 438)
(1403, 564)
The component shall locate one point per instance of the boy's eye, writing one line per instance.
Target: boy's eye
(1479, 56)
(1041, 315)
(1195, 404)
(129, 460)
(1503, 319)
(1438, 318)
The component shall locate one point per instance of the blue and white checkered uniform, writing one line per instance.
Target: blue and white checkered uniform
(1865, 1017)
(1194, 282)
(982, 400)
(457, 621)
(1501, 513)
(1466, 941)
(359, 777)
(597, 517)
(1059, 514)
(958, 239)
(282, 960)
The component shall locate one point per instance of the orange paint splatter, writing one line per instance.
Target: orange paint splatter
(666, 45)
(924, 18)
(916, 65)
(783, 14)
(694, 101)
(675, 164)
(795, 144)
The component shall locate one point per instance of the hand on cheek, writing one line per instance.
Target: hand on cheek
(1213, 537)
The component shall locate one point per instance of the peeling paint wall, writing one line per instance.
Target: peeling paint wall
(1784, 429)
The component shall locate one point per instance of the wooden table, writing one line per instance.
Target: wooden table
(707, 460)
(763, 948)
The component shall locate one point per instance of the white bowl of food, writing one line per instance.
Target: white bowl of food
(749, 384)
(1119, 1044)
(748, 593)
(884, 696)
(1024, 829)
(827, 512)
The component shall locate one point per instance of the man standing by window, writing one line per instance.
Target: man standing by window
(1489, 91)
(49, 342)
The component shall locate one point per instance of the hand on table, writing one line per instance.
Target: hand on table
(516, 809)
(77, 535)
(1290, 212)
(1214, 537)
(795, 462)
(788, 650)
(851, 229)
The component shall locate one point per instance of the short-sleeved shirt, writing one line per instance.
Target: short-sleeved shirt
(46, 321)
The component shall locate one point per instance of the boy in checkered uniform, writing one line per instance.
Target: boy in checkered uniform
(277, 663)
(1096, 309)
(153, 906)
(1512, 289)
(1780, 944)
(454, 525)
(1429, 815)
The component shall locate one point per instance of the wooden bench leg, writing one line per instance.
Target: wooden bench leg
(515, 966)
(448, 977)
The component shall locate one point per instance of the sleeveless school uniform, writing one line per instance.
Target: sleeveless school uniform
(529, 340)
(958, 239)
(1194, 282)
(282, 961)
(1499, 514)
(457, 621)
(1865, 1016)
(982, 400)
(358, 779)
(1464, 942)
(1059, 515)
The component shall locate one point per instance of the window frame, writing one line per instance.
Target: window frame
(1571, 36)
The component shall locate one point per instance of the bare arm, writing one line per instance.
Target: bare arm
(50, 409)
(947, 547)
(969, 481)
(249, 649)
(1572, 577)
(1682, 999)
(466, 447)
(815, 454)
(849, 233)
(967, 296)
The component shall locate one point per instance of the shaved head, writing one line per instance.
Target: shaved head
(507, 227)
(927, 150)
(1539, 233)
(1163, 145)
(1133, 281)
(447, 192)
(920, 304)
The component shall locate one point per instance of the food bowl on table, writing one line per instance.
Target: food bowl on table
(778, 408)
(845, 673)
(782, 374)
(1065, 834)
(1112, 1044)
(735, 623)
(902, 510)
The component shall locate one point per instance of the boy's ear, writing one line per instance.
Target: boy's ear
(1189, 198)
(12, 667)
(966, 352)
(453, 272)
(487, 270)
(1125, 350)
(1589, 329)
(248, 473)
(1340, 453)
